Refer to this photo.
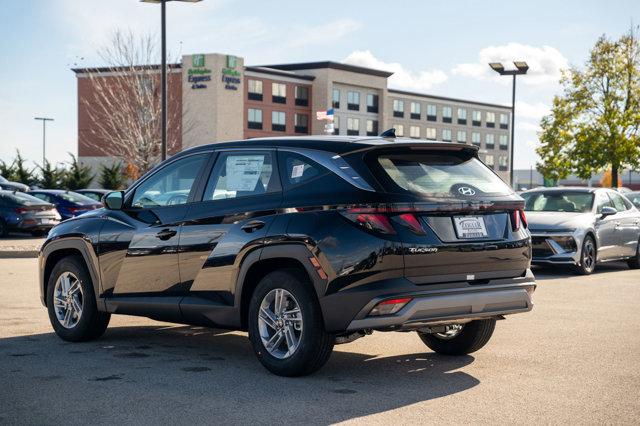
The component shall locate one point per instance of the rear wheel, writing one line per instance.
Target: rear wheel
(588, 257)
(460, 339)
(634, 262)
(286, 328)
(71, 302)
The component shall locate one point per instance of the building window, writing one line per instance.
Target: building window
(336, 125)
(372, 102)
(446, 135)
(398, 108)
(353, 126)
(302, 95)
(462, 116)
(336, 98)
(489, 141)
(301, 123)
(279, 93)
(502, 163)
(353, 101)
(488, 160)
(415, 110)
(414, 132)
(431, 133)
(278, 121)
(254, 118)
(432, 113)
(372, 127)
(475, 138)
(399, 129)
(491, 119)
(503, 142)
(255, 90)
(461, 136)
(477, 118)
(446, 114)
(504, 121)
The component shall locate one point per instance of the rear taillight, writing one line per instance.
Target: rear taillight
(410, 221)
(389, 307)
(518, 219)
(376, 222)
(21, 210)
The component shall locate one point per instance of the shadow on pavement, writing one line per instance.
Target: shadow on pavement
(552, 272)
(179, 373)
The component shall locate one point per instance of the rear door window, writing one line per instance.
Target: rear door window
(241, 174)
(297, 169)
(443, 174)
(618, 201)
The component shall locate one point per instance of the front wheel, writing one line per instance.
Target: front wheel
(286, 328)
(460, 339)
(588, 257)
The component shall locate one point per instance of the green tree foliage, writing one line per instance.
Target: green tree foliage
(77, 176)
(18, 171)
(7, 170)
(593, 125)
(112, 177)
(51, 177)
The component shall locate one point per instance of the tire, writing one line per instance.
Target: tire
(314, 344)
(473, 336)
(588, 250)
(91, 323)
(4, 231)
(634, 262)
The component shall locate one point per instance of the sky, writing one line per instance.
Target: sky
(434, 47)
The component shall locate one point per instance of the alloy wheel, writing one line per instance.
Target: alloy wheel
(280, 323)
(68, 300)
(588, 255)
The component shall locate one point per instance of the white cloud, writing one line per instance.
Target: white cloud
(531, 111)
(545, 63)
(401, 78)
(324, 33)
(526, 126)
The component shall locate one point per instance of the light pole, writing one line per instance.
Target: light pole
(163, 72)
(44, 135)
(521, 69)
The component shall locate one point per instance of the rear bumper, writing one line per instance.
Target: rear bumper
(451, 303)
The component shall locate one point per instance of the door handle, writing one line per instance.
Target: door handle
(165, 234)
(254, 225)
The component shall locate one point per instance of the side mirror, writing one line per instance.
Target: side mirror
(114, 200)
(608, 211)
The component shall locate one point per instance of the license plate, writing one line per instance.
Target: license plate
(470, 226)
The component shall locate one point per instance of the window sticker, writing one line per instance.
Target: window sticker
(297, 171)
(243, 172)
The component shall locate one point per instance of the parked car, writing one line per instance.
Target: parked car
(22, 212)
(11, 186)
(69, 204)
(95, 194)
(305, 243)
(581, 227)
(634, 197)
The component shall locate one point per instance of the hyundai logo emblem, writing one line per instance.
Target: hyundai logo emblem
(465, 190)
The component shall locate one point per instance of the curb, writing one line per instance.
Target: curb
(18, 254)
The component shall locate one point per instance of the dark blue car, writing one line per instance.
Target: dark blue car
(69, 204)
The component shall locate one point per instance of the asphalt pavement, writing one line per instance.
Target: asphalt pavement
(573, 359)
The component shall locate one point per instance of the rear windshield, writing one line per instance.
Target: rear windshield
(74, 197)
(558, 201)
(441, 174)
(22, 199)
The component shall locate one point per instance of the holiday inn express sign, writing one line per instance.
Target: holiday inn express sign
(231, 76)
(198, 74)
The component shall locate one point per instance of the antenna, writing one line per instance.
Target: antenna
(391, 133)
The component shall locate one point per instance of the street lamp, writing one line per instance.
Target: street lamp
(521, 69)
(44, 135)
(163, 78)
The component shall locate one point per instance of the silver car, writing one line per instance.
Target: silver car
(582, 227)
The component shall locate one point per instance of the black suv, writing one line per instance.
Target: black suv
(304, 243)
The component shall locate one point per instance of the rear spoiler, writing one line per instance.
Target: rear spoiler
(418, 146)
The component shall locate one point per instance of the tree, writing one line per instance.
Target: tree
(20, 171)
(593, 125)
(125, 106)
(112, 177)
(78, 176)
(7, 170)
(51, 176)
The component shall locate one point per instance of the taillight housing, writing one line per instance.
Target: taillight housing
(375, 222)
(389, 306)
(20, 210)
(518, 219)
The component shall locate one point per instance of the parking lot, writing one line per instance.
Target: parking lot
(575, 358)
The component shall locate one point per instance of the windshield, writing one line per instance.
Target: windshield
(558, 201)
(442, 174)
